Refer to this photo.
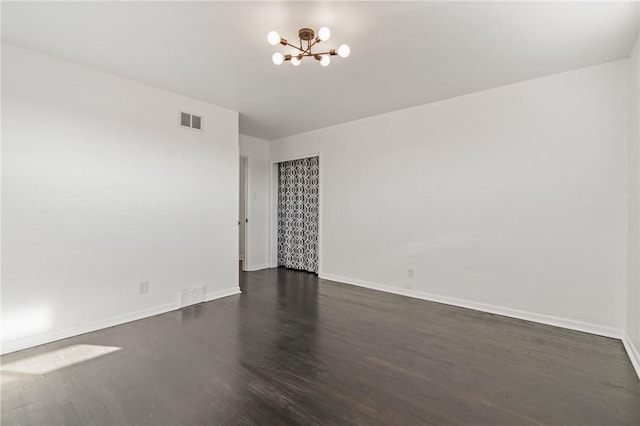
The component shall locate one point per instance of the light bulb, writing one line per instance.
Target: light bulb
(344, 51)
(273, 37)
(295, 61)
(324, 33)
(326, 60)
(277, 58)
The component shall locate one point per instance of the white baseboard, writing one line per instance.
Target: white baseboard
(257, 267)
(221, 293)
(633, 352)
(484, 307)
(52, 336)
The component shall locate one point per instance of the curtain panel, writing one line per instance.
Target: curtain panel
(298, 211)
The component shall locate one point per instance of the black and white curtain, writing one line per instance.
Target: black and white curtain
(298, 203)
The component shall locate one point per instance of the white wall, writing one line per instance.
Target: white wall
(512, 200)
(257, 152)
(633, 288)
(101, 189)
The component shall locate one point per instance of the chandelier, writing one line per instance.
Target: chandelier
(308, 40)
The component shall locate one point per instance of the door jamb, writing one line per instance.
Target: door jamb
(245, 255)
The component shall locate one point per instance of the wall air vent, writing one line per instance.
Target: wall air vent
(191, 121)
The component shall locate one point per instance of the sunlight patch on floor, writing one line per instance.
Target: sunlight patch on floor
(55, 360)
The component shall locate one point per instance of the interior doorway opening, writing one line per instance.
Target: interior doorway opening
(295, 213)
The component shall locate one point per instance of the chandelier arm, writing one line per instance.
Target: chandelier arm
(331, 52)
(295, 47)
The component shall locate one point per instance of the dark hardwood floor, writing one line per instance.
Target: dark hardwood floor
(293, 349)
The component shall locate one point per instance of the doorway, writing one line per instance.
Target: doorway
(243, 219)
(298, 213)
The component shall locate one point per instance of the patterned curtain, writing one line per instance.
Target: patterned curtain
(298, 192)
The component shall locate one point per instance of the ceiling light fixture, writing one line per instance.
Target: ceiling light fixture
(306, 35)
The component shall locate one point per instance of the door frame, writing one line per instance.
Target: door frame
(245, 254)
(273, 207)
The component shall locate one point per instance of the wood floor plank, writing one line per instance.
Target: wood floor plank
(296, 350)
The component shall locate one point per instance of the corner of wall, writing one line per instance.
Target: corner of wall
(632, 352)
(632, 327)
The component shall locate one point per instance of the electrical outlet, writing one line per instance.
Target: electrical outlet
(144, 287)
(410, 273)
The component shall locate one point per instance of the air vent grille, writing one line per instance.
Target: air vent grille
(195, 122)
(191, 121)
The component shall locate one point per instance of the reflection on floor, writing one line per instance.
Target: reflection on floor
(293, 349)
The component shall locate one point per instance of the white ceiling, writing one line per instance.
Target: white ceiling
(402, 53)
